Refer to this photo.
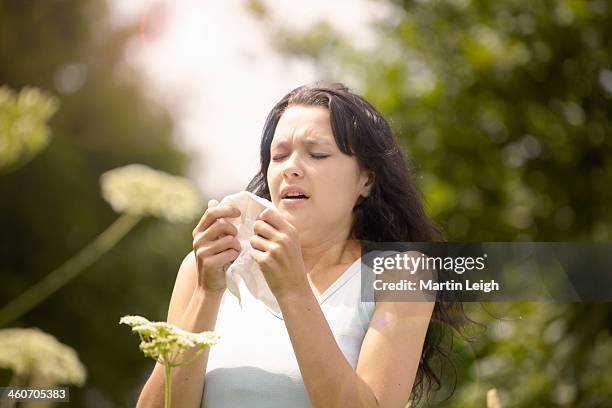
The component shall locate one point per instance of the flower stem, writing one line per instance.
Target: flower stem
(168, 381)
(68, 270)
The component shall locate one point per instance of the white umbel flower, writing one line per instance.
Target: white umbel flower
(34, 353)
(139, 190)
(160, 340)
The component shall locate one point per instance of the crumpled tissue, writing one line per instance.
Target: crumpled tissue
(244, 268)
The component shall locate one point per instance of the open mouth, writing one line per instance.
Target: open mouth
(295, 197)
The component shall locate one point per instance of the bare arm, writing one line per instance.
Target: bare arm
(192, 309)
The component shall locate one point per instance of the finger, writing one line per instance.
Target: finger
(261, 257)
(215, 247)
(208, 238)
(211, 203)
(274, 218)
(226, 257)
(219, 228)
(259, 243)
(213, 213)
(225, 243)
(265, 230)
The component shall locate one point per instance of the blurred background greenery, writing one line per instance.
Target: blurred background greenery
(503, 108)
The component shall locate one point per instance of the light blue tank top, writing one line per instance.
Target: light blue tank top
(254, 365)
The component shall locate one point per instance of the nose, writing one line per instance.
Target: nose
(292, 167)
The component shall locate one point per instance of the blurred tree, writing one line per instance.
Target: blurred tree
(53, 206)
(504, 110)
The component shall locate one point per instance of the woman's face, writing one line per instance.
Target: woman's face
(306, 160)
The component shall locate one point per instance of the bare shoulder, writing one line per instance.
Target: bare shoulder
(186, 281)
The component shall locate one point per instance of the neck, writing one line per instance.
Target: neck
(335, 249)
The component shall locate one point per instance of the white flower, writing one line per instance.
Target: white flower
(165, 342)
(23, 123)
(142, 191)
(34, 353)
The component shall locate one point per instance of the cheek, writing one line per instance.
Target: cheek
(338, 188)
(341, 180)
(272, 176)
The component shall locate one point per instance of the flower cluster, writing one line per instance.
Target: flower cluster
(142, 191)
(165, 342)
(34, 353)
(23, 124)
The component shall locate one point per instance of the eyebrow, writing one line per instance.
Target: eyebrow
(308, 141)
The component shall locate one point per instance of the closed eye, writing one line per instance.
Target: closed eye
(314, 156)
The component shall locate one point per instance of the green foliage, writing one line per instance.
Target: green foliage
(504, 111)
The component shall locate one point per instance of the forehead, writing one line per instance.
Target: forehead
(304, 124)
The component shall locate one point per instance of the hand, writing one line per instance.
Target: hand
(215, 245)
(276, 248)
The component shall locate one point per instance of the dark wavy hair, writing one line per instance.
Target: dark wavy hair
(392, 212)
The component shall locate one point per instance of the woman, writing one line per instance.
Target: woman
(336, 176)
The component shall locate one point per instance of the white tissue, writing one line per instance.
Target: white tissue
(244, 268)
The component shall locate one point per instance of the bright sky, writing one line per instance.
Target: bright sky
(211, 63)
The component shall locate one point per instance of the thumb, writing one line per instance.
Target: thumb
(212, 203)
